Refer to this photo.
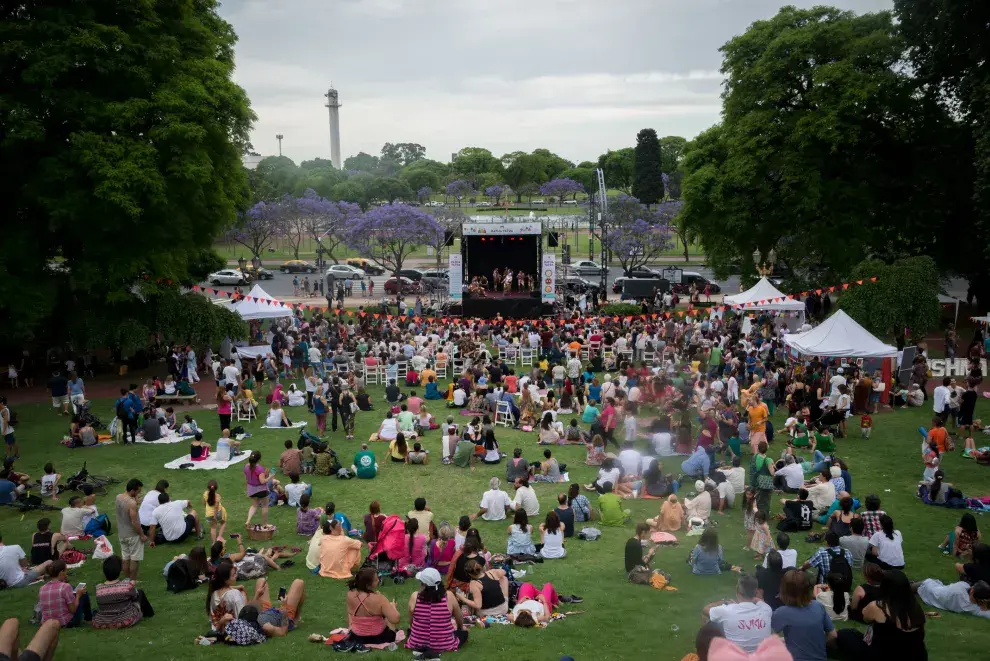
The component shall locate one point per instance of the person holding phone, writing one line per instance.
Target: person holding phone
(60, 602)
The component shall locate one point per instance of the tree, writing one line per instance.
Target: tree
(351, 191)
(402, 153)
(529, 190)
(280, 172)
(317, 164)
(322, 180)
(671, 152)
(193, 318)
(948, 53)
(423, 194)
(647, 176)
(672, 184)
(116, 127)
(617, 167)
(417, 178)
(816, 156)
(523, 169)
(904, 296)
(325, 221)
(458, 189)
(636, 235)
(474, 161)
(561, 188)
(361, 163)
(389, 189)
(586, 177)
(495, 193)
(389, 234)
(262, 224)
(551, 165)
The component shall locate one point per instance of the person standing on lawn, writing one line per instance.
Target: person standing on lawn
(129, 532)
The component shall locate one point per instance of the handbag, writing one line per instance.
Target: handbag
(764, 480)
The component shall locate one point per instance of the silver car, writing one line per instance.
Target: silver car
(344, 271)
(228, 277)
(586, 267)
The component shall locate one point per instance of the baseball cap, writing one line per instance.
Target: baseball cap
(429, 577)
(699, 486)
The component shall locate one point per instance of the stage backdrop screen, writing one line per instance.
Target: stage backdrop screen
(487, 253)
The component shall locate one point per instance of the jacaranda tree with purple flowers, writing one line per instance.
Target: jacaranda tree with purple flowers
(389, 234)
(262, 224)
(636, 235)
(424, 193)
(458, 189)
(560, 188)
(321, 220)
(496, 192)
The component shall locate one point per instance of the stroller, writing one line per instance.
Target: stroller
(87, 417)
(388, 549)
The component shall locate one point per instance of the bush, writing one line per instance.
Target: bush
(621, 309)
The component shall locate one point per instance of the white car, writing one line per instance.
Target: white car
(539, 202)
(228, 277)
(484, 204)
(346, 271)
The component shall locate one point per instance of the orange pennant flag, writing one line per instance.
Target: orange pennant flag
(873, 279)
(859, 282)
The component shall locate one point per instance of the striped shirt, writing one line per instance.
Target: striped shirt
(871, 522)
(431, 627)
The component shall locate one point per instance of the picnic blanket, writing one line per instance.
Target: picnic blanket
(340, 634)
(295, 425)
(211, 463)
(166, 440)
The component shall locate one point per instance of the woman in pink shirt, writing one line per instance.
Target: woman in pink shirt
(415, 546)
(224, 407)
(609, 420)
(256, 477)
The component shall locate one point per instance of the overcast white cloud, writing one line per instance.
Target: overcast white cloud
(575, 76)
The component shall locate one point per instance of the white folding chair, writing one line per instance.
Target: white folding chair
(402, 368)
(526, 356)
(503, 353)
(245, 414)
(458, 365)
(649, 356)
(371, 373)
(503, 414)
(626, 354)
(441, 370)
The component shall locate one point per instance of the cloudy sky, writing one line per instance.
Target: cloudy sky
(574, 76)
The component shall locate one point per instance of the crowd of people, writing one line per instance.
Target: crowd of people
(702, 390)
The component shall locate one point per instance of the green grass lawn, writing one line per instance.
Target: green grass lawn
(621, 621)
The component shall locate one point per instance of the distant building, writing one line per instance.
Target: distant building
(453, 157)
(251, 160)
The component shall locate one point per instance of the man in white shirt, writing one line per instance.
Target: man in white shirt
(940, 399)
(73, 517)
(231, 375)
(631, 459)
(534, 340)
(736, 475)
(788, 556)
(495, 503)
(526, 498)
(294, 490)
(175, 524)
(790, 478)
(837, 380)
(558, 375)
(746, 622)
(460, 397)
(149, 503)
(14, 568)
(574, 368)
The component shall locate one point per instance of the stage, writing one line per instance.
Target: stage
(514, 306)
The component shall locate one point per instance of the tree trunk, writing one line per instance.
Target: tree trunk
(687, 255)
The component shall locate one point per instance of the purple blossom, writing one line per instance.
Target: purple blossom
(560, 188)
(262, 224)
(389, 234)
(637, 235)
(496, 192)
(424, 193)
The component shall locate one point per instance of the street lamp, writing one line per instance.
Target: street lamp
(279, 136)
(765, 268)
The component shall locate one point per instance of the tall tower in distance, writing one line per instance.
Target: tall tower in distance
(333, 103)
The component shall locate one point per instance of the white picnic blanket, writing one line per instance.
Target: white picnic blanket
(210, 463)
(295, 425)
(166, 440)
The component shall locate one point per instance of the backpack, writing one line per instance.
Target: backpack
(840, 565)
(180, 577)
(121, 409)
(99, 525)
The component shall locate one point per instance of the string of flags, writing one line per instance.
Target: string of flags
(690, 312)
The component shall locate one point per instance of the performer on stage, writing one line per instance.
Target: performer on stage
(496, 280)
(507, 282)
(476, 289)
(532, 282)
(521, 279)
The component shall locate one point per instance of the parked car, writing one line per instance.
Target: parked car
(365, 265)
(637, 274)
(344, 271)
(643, 272)
(260, 273)
(538, 202)
(229, 277)
(436, 278)
(586, 267)
(413, 274)
(407, 286)
(570, 203)
(297, 266)
(699, 281)
(484, 204)
(577, 285)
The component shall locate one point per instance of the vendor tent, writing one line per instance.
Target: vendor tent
(764, 296)
(259, 305)
(839, 336)
(945, 299)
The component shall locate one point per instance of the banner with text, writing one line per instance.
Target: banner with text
(548, 278)
(456, 277)
(501, 229)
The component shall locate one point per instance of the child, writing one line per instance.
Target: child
(12, 375)
(865, 425)
(424, 422)
(463, 525)
(749, 515)
(295, 489)
(49, 482)
(215, 512)
(189, 427)
(448, 442)
(307, 456)
(761, 542)
(960, 541)
(331, 513)
(170, 417)
(307, 518)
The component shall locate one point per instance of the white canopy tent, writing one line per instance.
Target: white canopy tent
(252, 352)
(761, 297)
(839, 336)
(945, 299)
(265, 307)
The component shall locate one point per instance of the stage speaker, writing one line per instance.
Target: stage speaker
(467, 295)
(534, 294)
(553, 238)
(448, 238)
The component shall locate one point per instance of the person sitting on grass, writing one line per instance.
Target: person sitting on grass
(745, 620)
(959, 542)
(634, 556)
(372, 617)
(339, 554)
(436, 623)
(706, 556)
(610, 506)
(418, 455)
(549, 469)
(119, 603)
(60, 602)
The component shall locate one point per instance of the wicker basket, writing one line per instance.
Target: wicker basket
(261, 535)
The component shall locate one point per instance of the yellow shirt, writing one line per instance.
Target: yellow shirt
(338, 555)
(424, 376)
(211, 511)
(758, 417)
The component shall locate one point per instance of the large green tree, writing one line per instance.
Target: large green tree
(121, 135)
(647, 183)
(617, 166)
(361, 162)
(904, 296)
(474, 161)
(818, 155)
(671, 153)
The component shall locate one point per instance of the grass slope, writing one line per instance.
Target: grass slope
(624, 621)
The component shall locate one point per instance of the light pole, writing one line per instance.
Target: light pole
(279, 136)
(765, 269)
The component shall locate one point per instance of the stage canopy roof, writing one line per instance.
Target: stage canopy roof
(264, 308)
(839, 336)
(761, 296)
